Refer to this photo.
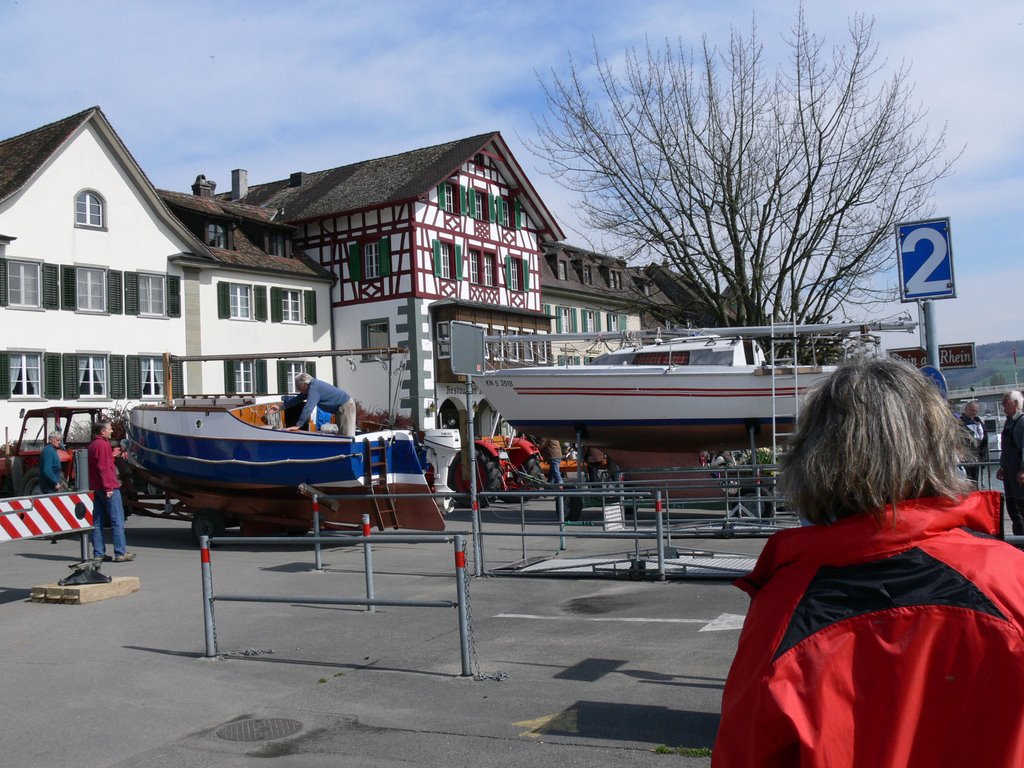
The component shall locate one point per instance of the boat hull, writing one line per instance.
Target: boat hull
(219, 460)
(656, 409)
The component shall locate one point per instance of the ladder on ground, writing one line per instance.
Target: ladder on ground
(375, 477)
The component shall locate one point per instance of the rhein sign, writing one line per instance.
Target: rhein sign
(950, 356)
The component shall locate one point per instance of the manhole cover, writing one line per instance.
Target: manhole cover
(260, 730)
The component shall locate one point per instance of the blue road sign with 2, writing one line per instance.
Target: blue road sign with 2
(925, 257)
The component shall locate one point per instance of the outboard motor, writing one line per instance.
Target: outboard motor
(441, 446)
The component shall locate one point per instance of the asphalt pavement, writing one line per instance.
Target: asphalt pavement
(565, 671)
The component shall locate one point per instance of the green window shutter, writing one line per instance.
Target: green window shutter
(458, 262)
(69, 292)
(558, 320)
(70, 365)
(440, 196)
(229, 377)
(471, 196)
(463, 205)
(51, 286)
(311, 367)
(575, 315)
(3, 282)
(597, 321)
(622, 322)
(173, 296)
(51, 376)
(385, 256)
(355, 253)
(282, 376)
(526, 274)
(437, 258)
(177, 380)
(276, 305)
(223, 301)
(131, 293)
(261, 377)
(492, 212)
(519, 215)
(499, 208)
(5, 376)
(116, 366)
(259, 294)
(547, 311)
(508, 271)
(115, 292)
(309, 299)
(133, 377)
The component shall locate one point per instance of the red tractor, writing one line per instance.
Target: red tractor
(501, 465)
(19, 464)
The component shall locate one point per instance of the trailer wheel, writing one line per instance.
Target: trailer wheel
(30, 483)
(207, 522)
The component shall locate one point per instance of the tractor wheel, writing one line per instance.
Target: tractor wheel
(488, 473)
(532, 468)
(207, 522)
(458, 482)
(30, 483)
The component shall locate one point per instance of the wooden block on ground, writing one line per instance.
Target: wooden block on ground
(80, 594)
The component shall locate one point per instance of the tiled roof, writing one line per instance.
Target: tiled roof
(215, 206)
(369, 183)
(598, 287)
(21, 156)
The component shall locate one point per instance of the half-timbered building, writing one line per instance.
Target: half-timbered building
(418, 240)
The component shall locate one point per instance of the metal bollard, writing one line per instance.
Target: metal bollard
(462, 597)
(316, 532)
(368, 562)
(84, 541)
(211, 632)
(660, 528)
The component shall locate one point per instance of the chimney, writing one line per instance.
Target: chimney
(297, 179)
(202, 187)
(239, 183)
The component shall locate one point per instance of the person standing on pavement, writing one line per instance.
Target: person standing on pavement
(976, 427)
(51, 479)
(1011, 460)
(892, 628)
(107, 508)
(316, 393)
(551, 450)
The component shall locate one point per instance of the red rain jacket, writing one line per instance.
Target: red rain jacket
(882, 646)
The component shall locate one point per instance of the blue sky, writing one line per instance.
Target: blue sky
(200, 87)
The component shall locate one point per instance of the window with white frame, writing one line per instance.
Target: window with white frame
(24, 374)
(446, 198)
(89, 209)
(152, 297)
(245, 378)
(22, 284)
(516, 274)
(241, 302)
(474, 266)
(92, 375)
(91, 289)
(542, 350)
(562, 272)
(565, 319)
(446, 260)
(615, 279)
(376, 334)
(528, 351)
(152, 374)
(481, 205)
(488, 269)
(503, 211)
(587, 318)
(291, 370)
(613, 322)
(588, 275)
(291, 306)
(371, 259)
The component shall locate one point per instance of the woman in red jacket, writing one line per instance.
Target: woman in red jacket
(891, 631)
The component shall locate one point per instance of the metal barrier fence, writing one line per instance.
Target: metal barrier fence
(371, 602)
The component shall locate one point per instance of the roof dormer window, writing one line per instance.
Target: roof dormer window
(216, 235)
(588, 275)
(562, 273)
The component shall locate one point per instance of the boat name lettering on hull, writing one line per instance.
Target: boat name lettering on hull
(498, 383)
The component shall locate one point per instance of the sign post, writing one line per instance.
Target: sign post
(468, 359)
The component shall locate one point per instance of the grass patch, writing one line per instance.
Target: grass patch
(684, 751)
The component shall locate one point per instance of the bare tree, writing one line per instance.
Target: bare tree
(774, 195)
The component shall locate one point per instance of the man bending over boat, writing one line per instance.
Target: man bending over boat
(316, 393)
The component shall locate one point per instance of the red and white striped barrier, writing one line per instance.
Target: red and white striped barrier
(33, 516)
